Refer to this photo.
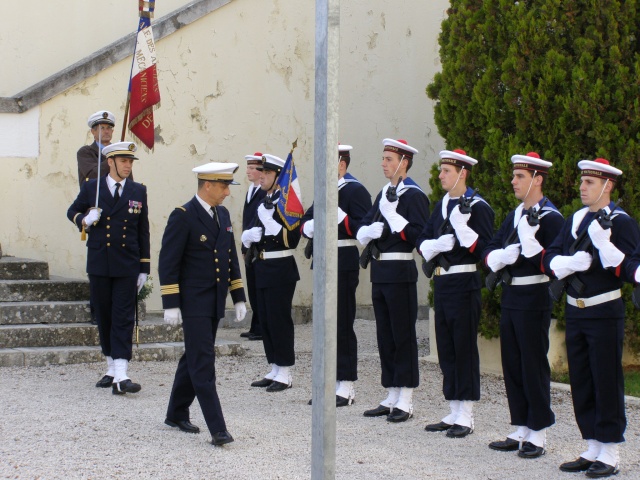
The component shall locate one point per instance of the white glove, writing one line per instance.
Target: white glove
(370, 232)
(389, 211)
(142, 278)
(341, 215)
(271, 227)
(500, 258)
(173, 316)
(241, 311)
(637, 275)
(307, 228)
(466, 235)
(565, 265)
(445, 243)
(610, 255)
(431, 248)
(92, 217)
(527, 235)
(253, 235)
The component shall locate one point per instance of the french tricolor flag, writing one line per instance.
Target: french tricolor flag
(290, 206)
(143, 85)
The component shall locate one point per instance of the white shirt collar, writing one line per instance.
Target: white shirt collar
(205, 205)
(111, 183)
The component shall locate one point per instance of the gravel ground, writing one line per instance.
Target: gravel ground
(55, 424)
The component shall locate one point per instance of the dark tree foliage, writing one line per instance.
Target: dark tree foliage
(559, 77)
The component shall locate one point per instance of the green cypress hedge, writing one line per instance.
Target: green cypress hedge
(559, 77)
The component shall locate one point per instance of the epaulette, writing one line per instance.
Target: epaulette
(182, 208)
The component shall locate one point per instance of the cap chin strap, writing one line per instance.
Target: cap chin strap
(601, 193)
(274, 180)
(398, 168)
(457, 180)
(530, 185)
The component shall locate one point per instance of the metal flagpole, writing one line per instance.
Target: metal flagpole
(323, 441)
(83, 234)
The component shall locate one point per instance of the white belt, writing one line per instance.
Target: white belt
(530, 280)
(456, 269)
(593, 301)
(396, 256)
(348, 243)
(279, 254)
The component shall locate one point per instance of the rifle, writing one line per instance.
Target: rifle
(445, 229)
(372, 250)
(582, 243)
(494, 278)
(308, 249)
(252, 254)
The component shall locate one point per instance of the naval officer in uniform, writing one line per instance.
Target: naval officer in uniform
(393, 224)
(354, 202)
(595, 315)
(198, 266)
(118, 252)
(526, 306)
(457, 289)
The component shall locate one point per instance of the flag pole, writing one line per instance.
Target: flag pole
(126, 109)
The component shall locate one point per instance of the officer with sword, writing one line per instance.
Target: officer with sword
(113, 210)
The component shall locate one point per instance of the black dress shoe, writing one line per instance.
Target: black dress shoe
(246, 334)
(458, 431)
(184, 425)
(255, 337)
(105, 382)
(438, 427)
(529, 450)
(125, 386)
(220, 438)
(600, 470)
(278, 386)
(508, 445)
(397, 416)
(379, 411)
(578, 465)
(265, 382)
(344, 402)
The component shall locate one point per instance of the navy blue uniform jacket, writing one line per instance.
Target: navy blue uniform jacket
(625, 236)
(413, 205)
(355, 201)
(118, 246)
(199, 262)
(535, 296)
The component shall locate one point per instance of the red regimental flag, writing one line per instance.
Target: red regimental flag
(145, 93)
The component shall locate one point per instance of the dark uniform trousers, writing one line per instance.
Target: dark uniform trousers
(594, 334)
(347, 342)
(198, 267)
(456, 324)
(118, 250)
(249, 217)
(524, 344)
(457, 301)
(394, 289)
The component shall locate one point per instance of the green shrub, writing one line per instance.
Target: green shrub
(559, 77)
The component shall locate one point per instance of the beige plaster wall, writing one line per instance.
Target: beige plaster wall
(238, 80)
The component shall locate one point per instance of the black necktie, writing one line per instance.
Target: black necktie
(116, 195)
(215, 215)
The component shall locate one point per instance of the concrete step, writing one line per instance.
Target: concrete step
(15, 268)
(55, 289)
(64, 334)
(20, 313)
(161, 351)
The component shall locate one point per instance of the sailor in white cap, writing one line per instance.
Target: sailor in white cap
(251, 202)
(114, 211)
(101, 124)
(595, 314)
(393, 224)
(198, 267)
(459, 238)
(276, 274)
(354, 202)
(516, 252)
